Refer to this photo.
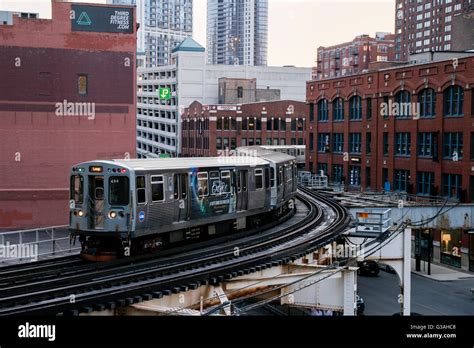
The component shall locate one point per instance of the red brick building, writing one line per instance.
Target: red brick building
(353, 57)
(207, 130)
(426, 25)
(67, 95)
(425, 150)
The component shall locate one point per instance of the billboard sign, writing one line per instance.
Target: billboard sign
(102, 19)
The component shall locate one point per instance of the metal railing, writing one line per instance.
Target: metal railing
(32, 245)
(313, 181)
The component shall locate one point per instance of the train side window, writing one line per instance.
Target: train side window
(141, 190)
(267, 178)
(203, 184)
(289, 173)
(77, 189)
(176, 186)
(258, 179)
(157, 188)
(280, 176)
(215, 183)
(184, 188)
(225, 181)
(272, 177)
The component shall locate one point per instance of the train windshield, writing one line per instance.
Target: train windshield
(119, 190)
(77, 189)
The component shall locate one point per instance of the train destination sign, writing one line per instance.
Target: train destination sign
(102, 19)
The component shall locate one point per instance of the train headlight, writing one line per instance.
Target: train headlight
(81, 213)
(112, 215)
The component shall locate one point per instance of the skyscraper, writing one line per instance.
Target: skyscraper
(163, 25)
(425, 25)
(237, 32)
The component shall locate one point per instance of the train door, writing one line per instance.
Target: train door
(96, 202)
(280, 183)
(242, 190)
(181, 195)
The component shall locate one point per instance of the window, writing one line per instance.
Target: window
(472, 146)
(276, 124)
(427, 100)
(323, 142)
(453, 101)
(219, 124)
(453, 146)
(424, 183)
(452, 184)
(226, 123)
(368, 144)
(141, 190)
(323, 110)
(403, 100)
(355, 108)
(311, 142)
(338, 109)
(258, 124)
(425, 144)
(225, 181)
(269, 125)
(240, 92)
(293, 125)
(267, 178)
(203, 184)
(402, 144)
(245, 123)
(338, 142)
(322, 167)
(215, 183)
(283, 125)
(401, 180)
(385, 144)
(369, 108)
(272, 177)
(119, 190)
(157, 189)
(82, 84)
(258, 179)
(355, 143)
(311, 112)
(354, 176)
(337, 173)
(77, 189)
(300, 124)
(386, 102)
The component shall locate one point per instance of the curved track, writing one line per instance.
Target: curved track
(85, 287)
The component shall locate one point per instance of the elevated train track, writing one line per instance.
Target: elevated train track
(70, 287)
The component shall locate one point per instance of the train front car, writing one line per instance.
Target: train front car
(101, 208)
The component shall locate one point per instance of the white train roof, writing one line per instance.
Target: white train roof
(190, 162)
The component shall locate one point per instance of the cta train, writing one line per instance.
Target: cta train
(127, 207)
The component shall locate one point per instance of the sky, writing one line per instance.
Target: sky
(296, 27)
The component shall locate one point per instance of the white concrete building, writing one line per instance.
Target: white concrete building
(190, 78)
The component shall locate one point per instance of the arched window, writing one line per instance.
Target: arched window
(453, 101)
(403, 105)
(355, 108)
(338, 109)
(427, 101)
(323, 110)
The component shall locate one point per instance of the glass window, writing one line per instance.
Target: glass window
(267, 178)
(425, 183)
(355, 143)
(453, 146)
(452, 185)
(338, 109)
(385, 144)
(323, 110)
(203, 184)
(355, 108)
(403, 100)
(323, 142)
(401, 180)
(369, 108)
(453, 101)
(119, 190)
(141, 190)
(157, 188)
(214, 181)
(82, 84)
(427, 100)
(225, 181)
(402, 144)
(258, 179)
(425, 144)
(77, 189)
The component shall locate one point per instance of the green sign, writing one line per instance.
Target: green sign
(165, 93)
(165, 155)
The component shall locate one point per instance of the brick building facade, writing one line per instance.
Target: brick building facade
(208, 130)
(426, 150)
(52, 72)
(355, 56)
